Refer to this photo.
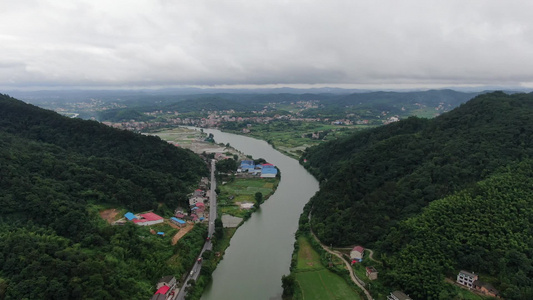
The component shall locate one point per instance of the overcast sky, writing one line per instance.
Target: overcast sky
(156, 43)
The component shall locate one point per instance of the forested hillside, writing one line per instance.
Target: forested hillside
(368, 105)
(373, 181)
(52, 169)
(487, 228)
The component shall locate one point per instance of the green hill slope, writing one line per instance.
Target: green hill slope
(375, 178)
(486, 229)
(52, 169)
(376, 187)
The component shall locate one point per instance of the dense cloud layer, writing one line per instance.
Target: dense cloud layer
(163, 42)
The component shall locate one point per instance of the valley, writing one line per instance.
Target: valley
(367, 173)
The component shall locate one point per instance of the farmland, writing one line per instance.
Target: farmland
(315, 280)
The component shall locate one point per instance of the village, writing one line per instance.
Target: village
(217, 118)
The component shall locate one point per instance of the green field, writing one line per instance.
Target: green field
(324, 284)
(244, 189)
(292, 138)
(315, 280)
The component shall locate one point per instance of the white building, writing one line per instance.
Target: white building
(466, 278)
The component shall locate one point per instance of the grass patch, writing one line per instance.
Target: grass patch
(315, 280)
(233, 210)
(243, 190)
(223, 243)
(468, 295)
(292, 138)
(323, 284)
(308, 258)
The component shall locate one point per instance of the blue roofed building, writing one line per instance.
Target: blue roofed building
(178, 222)
(130, 216)
(268, 171)
(247, 166)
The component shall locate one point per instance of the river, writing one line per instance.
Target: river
(260, 251)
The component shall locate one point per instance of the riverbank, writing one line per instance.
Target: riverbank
(232, 191)
(260, 250)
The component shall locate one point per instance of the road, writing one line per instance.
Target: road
(212, 203)
(195, 271)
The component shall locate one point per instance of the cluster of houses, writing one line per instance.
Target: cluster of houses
(464, 278)
(471, 281)
(356, 256)
(197, 207)
(263, 170)
(197, 214)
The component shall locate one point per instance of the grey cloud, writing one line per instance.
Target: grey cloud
(149, 42)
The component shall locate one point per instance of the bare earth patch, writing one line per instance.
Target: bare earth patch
(109, 215)
(183, 231)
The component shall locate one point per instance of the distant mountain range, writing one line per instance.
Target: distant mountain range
(83, 94)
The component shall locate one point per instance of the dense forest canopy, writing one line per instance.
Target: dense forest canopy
(52, 168)
(486, 228)
(375, 185)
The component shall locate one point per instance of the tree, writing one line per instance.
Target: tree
(259, 198)
(287, 283)
(226, 165)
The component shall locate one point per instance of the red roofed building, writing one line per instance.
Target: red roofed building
(357, 253)
(148, 219)
(163, 290)
(161, 293)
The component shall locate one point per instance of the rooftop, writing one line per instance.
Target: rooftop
(467, 273)
(148, 217)
(371, 269)
(163, 290)
(359, 249)
(401, 295)
(130, 216)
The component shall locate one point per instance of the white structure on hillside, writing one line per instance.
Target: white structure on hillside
(466, 278)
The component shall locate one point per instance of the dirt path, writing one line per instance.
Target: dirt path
(371, 256)
(183, 231)
(109, 215)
